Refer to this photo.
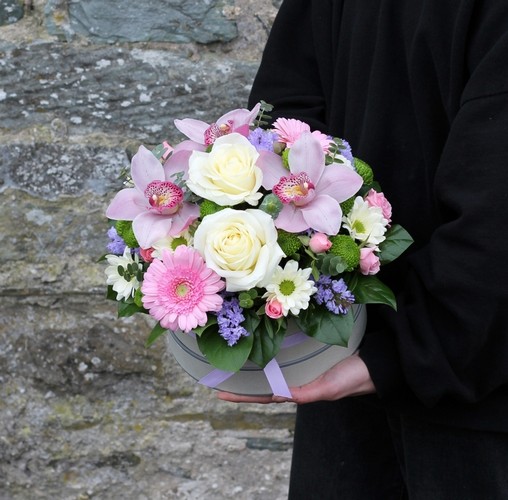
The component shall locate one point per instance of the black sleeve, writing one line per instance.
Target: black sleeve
(289, 75)
(449, 339)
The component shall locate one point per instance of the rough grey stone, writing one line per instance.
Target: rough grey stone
(86, 412)
(54, 170)
(11, 11)
(137, 93)
(142, 21)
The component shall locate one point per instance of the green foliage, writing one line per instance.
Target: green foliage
(344, 246)
(321, 324)
(124, 229)
(156, 332)
(289, 242)
(263, 119)
(370, 290)
(364, 170)
(347, 205)
(126, 309)
(208, 207)
(396, 242)
(220, 354)
(331, 265)
(271, 205)
(159, 150)
(267, 339)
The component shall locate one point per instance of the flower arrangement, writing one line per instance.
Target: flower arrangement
(242, 228)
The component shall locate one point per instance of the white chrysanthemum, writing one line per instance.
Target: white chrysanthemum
(291, 287)
(171, 243)
(123, 273)
(365, 223)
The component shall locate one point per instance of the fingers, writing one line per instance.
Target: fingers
(239, 398)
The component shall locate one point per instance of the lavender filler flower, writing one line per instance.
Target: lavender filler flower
(334, 294)
(116, 245)
(262, 140)
(229, 319)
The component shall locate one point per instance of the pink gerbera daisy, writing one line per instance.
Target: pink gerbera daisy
(179, 289)
(290, 130)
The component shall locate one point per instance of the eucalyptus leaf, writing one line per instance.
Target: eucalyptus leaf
(331, 265)
(220, 354)
(370, 290)
(156, 332)
(396, 242)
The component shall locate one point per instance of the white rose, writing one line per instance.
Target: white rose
(240, 246)
(228, 174)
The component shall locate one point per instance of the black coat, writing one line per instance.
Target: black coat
(419, 88)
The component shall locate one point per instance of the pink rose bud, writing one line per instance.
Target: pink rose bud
(375, 199)
(146, 254)
(369, 261)
(319, 243)
(273, 309)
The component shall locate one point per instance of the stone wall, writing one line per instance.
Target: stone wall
(85, 410)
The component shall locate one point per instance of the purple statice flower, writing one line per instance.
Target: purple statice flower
(262, 140)
(334, 294)
(347, 151)
(116, 245)
(229, 319)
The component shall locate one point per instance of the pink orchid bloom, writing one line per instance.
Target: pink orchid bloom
(312, 192)
(155, 203)
(237, 120)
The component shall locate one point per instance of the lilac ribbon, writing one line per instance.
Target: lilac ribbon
(272, 371)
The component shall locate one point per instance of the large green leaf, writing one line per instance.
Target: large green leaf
(326, 327)
(370, 290)
(396, 242)
(268, 337)
(220, 354)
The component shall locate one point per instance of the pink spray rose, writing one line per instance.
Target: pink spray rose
(146, 254)
(273, 309)
(319, 243)
(375, 199)
(369, 261)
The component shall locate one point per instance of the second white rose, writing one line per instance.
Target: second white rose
(240, 246)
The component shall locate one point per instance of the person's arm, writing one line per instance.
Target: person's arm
(350, 377)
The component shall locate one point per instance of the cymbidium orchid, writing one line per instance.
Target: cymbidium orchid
(312, 191)
(200, 132)
(155, 204)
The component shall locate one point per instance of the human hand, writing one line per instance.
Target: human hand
(350, 377)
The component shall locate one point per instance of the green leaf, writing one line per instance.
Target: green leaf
(212, 320)
(396, 242)
(370, 290)
(220, 354)
(126, 309)
(110, 294)
(326, 327)
(156, 332)
(268, 337)
(331, 265)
